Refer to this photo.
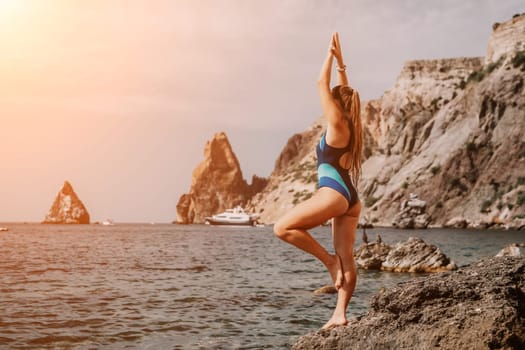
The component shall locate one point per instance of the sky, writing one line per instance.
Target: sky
(120, 96)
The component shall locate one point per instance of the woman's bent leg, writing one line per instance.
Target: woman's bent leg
(344, 231)
(315, 211)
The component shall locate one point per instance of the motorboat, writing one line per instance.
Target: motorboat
(236, 217)
(108, 222)
(5, 229)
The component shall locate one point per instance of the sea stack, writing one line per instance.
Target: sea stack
(67, 208)
(217, 184)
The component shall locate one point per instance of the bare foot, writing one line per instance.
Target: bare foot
(335, 322)
(336, 271)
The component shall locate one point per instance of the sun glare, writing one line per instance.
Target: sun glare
(9, 11)
(10, 7)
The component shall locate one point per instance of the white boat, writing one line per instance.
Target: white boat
(4, 229)
(236, 216)
(108, 222)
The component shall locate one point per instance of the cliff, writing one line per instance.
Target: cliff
(450, 131)
(67, 208)
(217, 184)
(480, 306)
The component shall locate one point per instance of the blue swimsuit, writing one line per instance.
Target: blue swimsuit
(330, 172)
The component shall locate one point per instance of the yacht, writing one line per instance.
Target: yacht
(236, 216)
(108, 222)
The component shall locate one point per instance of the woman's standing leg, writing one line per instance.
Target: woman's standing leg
(344, 231)
(293, 226)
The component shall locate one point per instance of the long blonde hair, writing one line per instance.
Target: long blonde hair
(351, 103)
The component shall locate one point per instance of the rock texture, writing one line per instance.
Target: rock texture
(514, 249)
(370, 256)
(503, 40)
(217, 184)
(481, 306)
(414, 255)
(67, 208)
(413, 214)
(450, 130)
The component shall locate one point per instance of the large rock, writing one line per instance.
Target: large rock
(413, 214)
(67, 208)
(415, 255)
(217, 184)
(514, 249)
(457, 222)
(370, 256)
(477, 307)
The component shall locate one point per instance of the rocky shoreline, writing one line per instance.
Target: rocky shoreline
(479, 306)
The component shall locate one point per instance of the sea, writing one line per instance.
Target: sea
(163, 286)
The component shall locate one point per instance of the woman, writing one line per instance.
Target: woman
(339, 167)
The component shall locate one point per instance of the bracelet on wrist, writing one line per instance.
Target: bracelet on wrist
(341, 69)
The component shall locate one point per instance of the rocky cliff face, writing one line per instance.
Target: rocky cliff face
(217, 184)
(506, 38)
(67, 208)
(451, 131)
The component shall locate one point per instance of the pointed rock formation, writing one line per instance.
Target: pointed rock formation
(67, 208)
(217, 184)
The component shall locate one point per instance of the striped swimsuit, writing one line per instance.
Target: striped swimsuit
(331, 174)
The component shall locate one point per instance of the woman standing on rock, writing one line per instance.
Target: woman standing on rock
(338, 169)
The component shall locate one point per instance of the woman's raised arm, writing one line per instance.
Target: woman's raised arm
(331, 110)
(341, 67)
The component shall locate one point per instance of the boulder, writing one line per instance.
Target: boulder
(514, 249)
(415, 255)
(372, 255)
(477, 307)
(457, 222)
(67, 208)
(327, 289)
(413, 214)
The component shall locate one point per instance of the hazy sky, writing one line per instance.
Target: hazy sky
(120, 96)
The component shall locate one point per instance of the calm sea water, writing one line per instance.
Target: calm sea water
(181, 287)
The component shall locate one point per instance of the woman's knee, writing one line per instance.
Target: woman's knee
(280, 229)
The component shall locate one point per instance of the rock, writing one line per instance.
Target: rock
(328, 289)
(370, 256)
(412, 214)
(457, 222)
(422, 221)
(67, 208)
(517, 224)
(217, 184)
(514, 249)
(185, 210)
(503, 38)
(415, 255)
(477, 307)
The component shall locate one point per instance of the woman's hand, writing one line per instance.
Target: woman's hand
(335, 48)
